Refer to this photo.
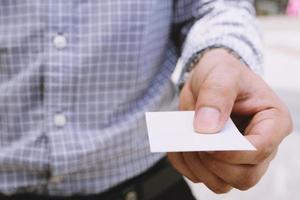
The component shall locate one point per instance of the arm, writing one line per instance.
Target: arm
(221, 86)
(202, 24)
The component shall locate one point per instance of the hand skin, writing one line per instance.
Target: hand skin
(219, 87)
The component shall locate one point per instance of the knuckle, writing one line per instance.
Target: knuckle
(265, 152)
(260, 157)
(247, 181)
(220, 89)
(227, 189)
(218, 186)
(221, 189)
(216, 95)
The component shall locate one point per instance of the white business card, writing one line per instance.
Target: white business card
(173, 132)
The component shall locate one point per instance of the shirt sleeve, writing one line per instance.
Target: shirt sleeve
(202, 24)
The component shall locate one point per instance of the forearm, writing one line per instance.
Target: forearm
(225, 23)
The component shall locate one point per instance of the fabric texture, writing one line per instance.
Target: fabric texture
(76, 78)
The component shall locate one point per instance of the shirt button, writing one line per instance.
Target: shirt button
(60, 41)
(60, 120)
(132, 195)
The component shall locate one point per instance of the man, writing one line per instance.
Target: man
(76, 78)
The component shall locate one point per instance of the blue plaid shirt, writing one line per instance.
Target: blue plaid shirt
(76, 78)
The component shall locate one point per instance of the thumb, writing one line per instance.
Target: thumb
(215, 99)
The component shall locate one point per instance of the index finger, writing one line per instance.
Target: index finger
(265, 131)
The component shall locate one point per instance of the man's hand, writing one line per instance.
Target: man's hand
(219, 87)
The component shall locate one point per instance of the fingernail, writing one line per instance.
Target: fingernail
(207, 120)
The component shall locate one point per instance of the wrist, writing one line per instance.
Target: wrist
(214, 55)
(217, 56)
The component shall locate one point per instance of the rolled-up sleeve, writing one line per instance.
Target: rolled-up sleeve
(206, 24)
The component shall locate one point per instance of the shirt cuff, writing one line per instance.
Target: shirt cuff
(194, 45)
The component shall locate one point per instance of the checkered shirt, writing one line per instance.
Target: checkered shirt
(76, 78)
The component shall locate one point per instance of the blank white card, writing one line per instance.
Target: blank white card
(173, 132)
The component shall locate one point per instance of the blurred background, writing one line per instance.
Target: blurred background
(279, 21)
